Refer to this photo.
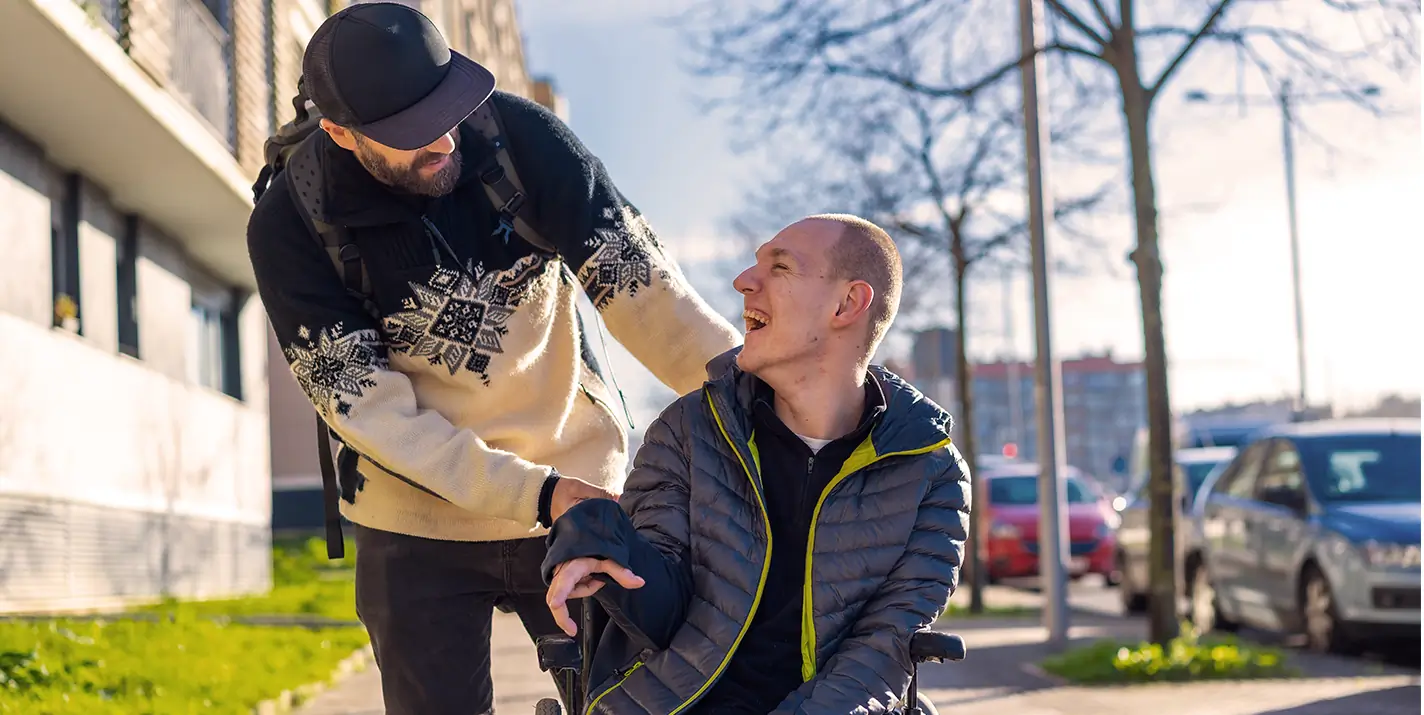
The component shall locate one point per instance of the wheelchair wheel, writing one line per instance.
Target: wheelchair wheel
(926, 707)
(549, 706)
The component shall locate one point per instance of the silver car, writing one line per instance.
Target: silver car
(1193, 467)
(1314, 527)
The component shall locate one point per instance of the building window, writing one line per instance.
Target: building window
(128, 287)
(64, 254)
(215, 355)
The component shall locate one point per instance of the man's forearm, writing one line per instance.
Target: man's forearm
(598, 528)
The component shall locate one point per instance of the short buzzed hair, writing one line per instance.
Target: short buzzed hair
(866, 252)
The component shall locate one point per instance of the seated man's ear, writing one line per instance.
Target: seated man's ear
(854, 304)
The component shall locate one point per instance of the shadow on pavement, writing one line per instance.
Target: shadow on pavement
(1387, 701)
(1003, 654)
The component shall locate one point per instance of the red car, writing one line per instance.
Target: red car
(1011, 522)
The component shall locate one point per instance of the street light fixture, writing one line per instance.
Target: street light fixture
(1284, 99)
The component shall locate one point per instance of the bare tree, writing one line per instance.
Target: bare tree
(786, 54)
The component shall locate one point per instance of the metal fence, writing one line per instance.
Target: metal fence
(108, 15)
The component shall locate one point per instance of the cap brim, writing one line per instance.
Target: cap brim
(466, 86)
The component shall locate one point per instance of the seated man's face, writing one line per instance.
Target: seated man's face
(790, 297)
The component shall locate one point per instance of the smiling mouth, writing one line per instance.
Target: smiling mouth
(755, 319)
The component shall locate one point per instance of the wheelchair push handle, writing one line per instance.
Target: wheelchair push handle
(930, 646)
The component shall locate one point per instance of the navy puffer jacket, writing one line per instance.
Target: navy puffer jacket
(885, 553)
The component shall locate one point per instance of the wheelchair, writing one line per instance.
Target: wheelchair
(563, 657)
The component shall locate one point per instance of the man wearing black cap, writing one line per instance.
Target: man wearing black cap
(463, 382)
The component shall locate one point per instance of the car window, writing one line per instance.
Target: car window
(1023, 491)
(1363, 468)
(1282, 469)
(1240, 482)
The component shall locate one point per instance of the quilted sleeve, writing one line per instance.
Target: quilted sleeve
(649, 535)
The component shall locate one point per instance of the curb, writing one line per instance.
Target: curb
(288, 700)
(1038, 672)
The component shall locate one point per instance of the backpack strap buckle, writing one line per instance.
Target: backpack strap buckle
(505, 229)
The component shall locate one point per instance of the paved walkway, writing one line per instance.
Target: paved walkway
(518, 682)
(998, 678)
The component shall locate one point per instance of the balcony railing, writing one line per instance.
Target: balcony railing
(108, 15)
(183, 46)
(201, 71)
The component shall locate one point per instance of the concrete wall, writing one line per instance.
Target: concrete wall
(120, 479)
(117, 482)
(25, 286)
(100, 228)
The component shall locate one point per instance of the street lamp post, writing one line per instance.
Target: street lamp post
(1288, 152)
(1048, 395)
(1284, 99)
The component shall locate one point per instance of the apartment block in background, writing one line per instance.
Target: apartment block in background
(134, 451)
(1104, 403)
(488, 32)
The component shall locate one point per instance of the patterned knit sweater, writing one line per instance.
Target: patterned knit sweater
(477, 382)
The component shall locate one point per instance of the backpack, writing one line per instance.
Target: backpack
(501, 182)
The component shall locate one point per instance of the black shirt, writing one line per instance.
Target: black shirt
(767, 664)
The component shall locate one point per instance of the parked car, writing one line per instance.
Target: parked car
(1314, 528)
(1133, 538)
(1012, 513)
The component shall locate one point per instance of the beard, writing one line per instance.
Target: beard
(409, 178)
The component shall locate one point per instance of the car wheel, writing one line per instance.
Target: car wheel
(1113, 577)
(1319, 617)
(1132, 601)
(1203, 610)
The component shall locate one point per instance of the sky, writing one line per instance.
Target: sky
(1221, 188)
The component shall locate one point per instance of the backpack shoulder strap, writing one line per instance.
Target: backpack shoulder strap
(302, 173)
(303, 177)
(501, 180)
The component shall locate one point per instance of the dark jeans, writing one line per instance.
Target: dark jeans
(428, 606)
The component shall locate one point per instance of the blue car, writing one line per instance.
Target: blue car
(1313, 527)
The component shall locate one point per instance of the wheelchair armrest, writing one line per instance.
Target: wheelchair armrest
(930, 646)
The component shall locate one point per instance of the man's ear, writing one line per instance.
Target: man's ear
(339, 134)
(854, 304)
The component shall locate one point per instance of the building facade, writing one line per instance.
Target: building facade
(488, 32)
(1104, 404)
(134, 451)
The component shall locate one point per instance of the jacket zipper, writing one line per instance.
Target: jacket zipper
(765, 565)
(862, 458)
(622, 676)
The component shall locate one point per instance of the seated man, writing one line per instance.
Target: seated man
(787, 528)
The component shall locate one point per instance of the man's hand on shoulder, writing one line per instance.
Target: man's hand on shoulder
(579, 578)
(569, 491)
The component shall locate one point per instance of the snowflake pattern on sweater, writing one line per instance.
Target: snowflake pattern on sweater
(335, 367)
(458, 318)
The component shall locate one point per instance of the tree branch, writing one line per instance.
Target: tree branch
(1206, 27)
(1077, 22)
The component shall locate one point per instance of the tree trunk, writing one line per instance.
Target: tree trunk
(964, 385)
(1162, 562)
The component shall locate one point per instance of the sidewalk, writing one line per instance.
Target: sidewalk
(518, 682)
(998, 678)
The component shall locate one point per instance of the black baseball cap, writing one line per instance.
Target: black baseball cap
(383, 69)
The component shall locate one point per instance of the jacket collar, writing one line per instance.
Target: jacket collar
(910, 420)
(351, 196)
